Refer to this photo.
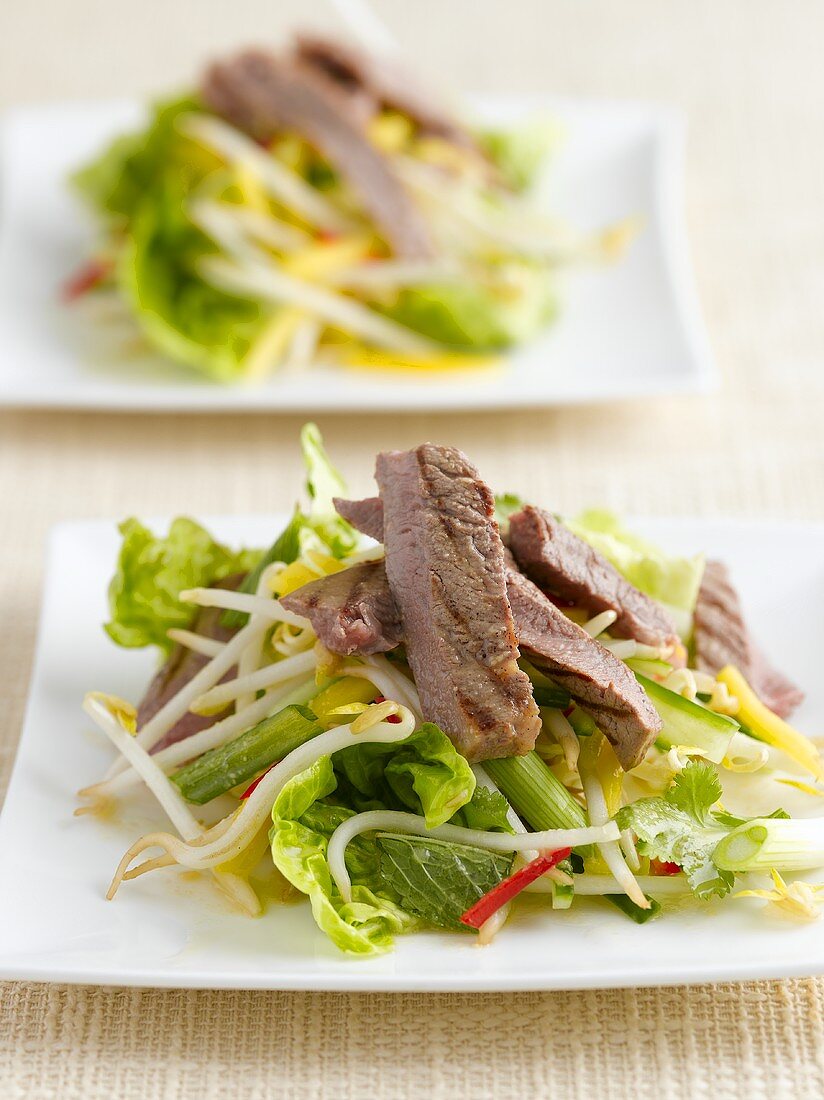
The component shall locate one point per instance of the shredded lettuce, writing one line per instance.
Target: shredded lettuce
(670, 580)
(151, 573)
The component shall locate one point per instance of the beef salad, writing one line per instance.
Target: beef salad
(416, 707)
(317, 205)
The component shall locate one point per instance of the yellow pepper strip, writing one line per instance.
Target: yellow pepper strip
(805, 788)
(768, 726)
(250, 189)
(246, 861)
(376, 359)
(268, 350)
(298, 574)
(348, 691)
(323, 258)
(390, 132)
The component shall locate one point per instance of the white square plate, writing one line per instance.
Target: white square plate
(166, 930)
(627, 330)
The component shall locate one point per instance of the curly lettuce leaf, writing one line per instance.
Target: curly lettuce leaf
(151, 573)
(425, 774)
(125, 175)
(179, 313)
(480, 316)
(671, 580)
(299, 837)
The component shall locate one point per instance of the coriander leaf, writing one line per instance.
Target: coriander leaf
(695, 790)
(438, 881)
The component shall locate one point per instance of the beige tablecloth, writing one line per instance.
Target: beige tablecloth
(751, 78)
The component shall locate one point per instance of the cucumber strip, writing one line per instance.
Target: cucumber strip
(242, 758)
(688, 723)
(551, 696)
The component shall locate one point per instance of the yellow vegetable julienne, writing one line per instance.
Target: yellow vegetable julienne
(370, 358)
(768, 726)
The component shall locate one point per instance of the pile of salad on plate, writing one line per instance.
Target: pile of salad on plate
(319, 206)
(415, 707)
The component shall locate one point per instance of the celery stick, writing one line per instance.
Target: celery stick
(535, 793)
(242, 758)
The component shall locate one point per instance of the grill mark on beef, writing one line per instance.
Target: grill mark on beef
(262, 94)
(563, 565)
(722, 638)
(352, 611)
(444, 562)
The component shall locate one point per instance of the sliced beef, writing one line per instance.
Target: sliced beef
(445, 564)
(722, 638)
(383, 81)
(352, 611)
(179, 668)
(602, 685)
(366, 515)
(565, 566)
(262, 94)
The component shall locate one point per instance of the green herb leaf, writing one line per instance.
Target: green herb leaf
(437, 881)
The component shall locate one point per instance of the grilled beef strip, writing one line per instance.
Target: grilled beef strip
(602, 685)
(721, 638)
(352, 611)
(565, 566)
(599, 683)
(382, 81)
(262, 94)
(366, 515)
(179, 668)
(445, 566)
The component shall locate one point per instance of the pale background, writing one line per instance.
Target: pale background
(750, 75)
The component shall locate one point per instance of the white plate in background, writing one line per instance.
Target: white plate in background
(166, 930)
(626, 330)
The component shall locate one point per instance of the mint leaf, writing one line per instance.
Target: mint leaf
(438, 881)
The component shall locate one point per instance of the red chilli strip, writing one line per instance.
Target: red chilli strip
(505, 891)
(393, 719)
(86, 278)
(663, 867)
(254, 783)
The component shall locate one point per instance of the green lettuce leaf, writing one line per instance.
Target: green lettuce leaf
(425, 774)
(367, 924)
(151, 573)
(520, 151)
(437, 881)
(481, 316)
(673, 581)
(181, 315)
(125, 175)
(680, 828)
(323, 483)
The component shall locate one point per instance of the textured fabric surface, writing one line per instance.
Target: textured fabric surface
(750, 77)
